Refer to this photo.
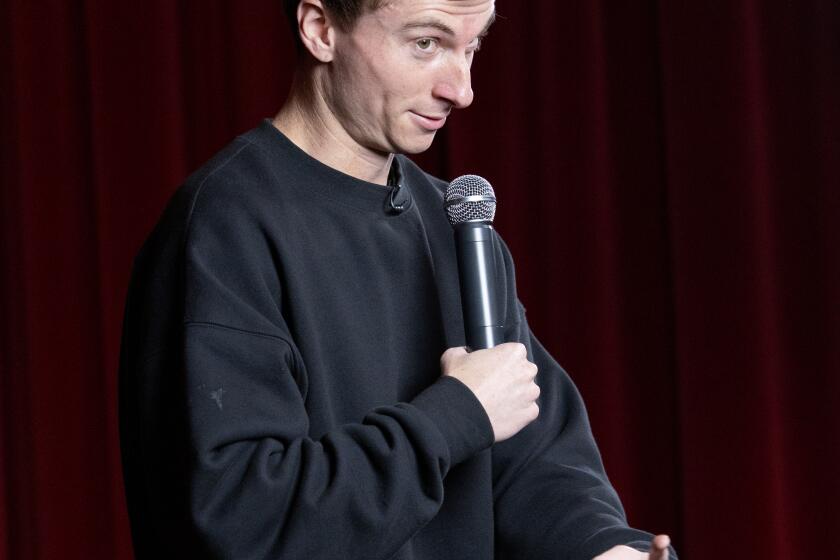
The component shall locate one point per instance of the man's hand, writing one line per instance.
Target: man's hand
(502, 379)
(658, 551)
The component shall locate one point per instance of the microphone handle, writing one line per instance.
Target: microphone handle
(475, 245)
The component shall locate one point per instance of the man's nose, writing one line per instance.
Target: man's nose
(455, 85)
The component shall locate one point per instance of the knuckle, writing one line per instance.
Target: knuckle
(528, 371)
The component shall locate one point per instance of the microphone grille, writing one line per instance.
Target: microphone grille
(470, 198)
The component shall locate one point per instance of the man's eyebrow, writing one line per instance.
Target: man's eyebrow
(440, 26)
(429, 22)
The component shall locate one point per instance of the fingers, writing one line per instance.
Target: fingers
(659, 547)
(502, 379)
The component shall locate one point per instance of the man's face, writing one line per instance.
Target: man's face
(402, 68)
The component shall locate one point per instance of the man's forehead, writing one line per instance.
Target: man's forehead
(416, 13)
(453, 8)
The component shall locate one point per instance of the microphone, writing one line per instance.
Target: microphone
(471, 205)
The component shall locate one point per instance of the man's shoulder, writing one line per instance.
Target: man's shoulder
(228, 189)
(241, 177)
(242, 172)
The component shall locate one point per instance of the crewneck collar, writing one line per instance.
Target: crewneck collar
(315, 176)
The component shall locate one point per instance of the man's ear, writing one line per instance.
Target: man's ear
(316, 29)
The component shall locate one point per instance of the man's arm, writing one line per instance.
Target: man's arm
(552, 496)
(260, 487)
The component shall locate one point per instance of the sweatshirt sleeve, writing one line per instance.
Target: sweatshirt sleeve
(552, 497)
(260, 486)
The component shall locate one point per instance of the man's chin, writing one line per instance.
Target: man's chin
(416, 145)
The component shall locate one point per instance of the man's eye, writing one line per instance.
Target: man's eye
(426, 44)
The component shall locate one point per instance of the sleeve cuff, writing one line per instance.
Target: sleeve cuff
(459, 417)
(644, 546)
(607, 539)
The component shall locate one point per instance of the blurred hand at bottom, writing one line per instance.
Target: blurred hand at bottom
(658, 551)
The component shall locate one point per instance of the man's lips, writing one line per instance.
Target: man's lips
(429, 121)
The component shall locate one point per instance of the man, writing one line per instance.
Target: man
(293, 378)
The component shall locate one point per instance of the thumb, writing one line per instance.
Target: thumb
(452, 354)
(659, 547)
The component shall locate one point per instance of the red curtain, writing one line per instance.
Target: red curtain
(667, 175)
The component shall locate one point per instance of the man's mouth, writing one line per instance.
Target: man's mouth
(430, 121)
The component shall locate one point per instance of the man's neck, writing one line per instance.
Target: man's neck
(306, 120)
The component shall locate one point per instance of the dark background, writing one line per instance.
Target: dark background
(667, 174)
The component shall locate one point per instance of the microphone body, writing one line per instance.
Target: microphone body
(471, 205)
(475, 246)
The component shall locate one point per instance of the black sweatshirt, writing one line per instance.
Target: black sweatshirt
(280, 386)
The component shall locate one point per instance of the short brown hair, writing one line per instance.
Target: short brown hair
(345, 12)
